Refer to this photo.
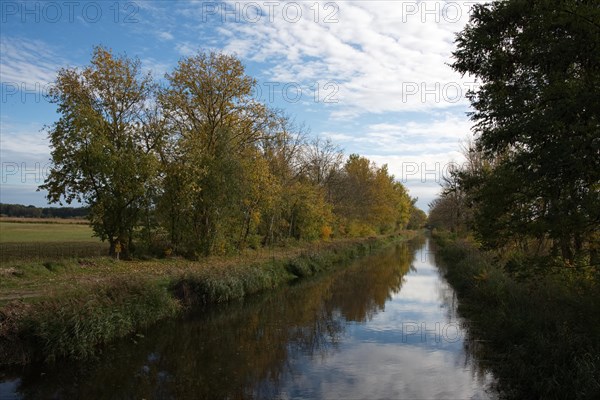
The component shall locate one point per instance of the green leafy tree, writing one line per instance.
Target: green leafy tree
(199, 167)
(537, 111)
(308, 215)
(103, 153)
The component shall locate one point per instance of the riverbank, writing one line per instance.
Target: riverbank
(68, 309)
(538, 334)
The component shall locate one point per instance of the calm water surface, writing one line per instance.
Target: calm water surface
(384, 327)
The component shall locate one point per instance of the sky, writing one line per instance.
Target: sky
(373, 76)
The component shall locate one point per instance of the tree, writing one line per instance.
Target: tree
(308, 215)
(199, 167)
(369, 200)
(537, 111)
(102, 153)
(321, 163)
(282, 149)
(417, 218)
(390, 204)
(215, 127)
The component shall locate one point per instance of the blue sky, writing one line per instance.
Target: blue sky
(370, 75)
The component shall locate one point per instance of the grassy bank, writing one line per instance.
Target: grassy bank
(540, 333)
(69, 309)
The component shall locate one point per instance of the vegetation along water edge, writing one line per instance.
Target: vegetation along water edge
(537, 333)
(75, 306)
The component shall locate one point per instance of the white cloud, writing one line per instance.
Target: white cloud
(156, 67)
(186, 49)
(388, 58)
(27, 138)
(28, 64)
(26, 163)
(426, 144)
(418, 153)
(166, 35)
(384, 55)
(410, 138)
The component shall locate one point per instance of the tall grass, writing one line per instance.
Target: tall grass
(225, 284)
(75, 325)
(541, 333)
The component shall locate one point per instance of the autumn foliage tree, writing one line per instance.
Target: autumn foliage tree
(199, 167)
(369, 200)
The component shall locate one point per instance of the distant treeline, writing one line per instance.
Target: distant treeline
(19, 210)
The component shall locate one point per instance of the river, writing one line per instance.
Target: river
(385, 326)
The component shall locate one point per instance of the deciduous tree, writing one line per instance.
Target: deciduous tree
(538, 112)
(102, 152)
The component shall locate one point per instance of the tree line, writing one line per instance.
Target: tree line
(196, 166)
(22, 211)
(532, 177)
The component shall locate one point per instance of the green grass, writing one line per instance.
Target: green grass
(15, 232)
(43, 241)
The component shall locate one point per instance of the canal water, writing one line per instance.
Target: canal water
(383, 327)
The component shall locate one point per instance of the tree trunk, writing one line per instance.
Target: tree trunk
(112, 244)
(565, 248)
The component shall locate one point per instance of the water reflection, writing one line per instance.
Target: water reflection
(366, 331)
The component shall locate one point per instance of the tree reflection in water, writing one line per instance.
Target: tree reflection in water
(238, 350)
(476, 355)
